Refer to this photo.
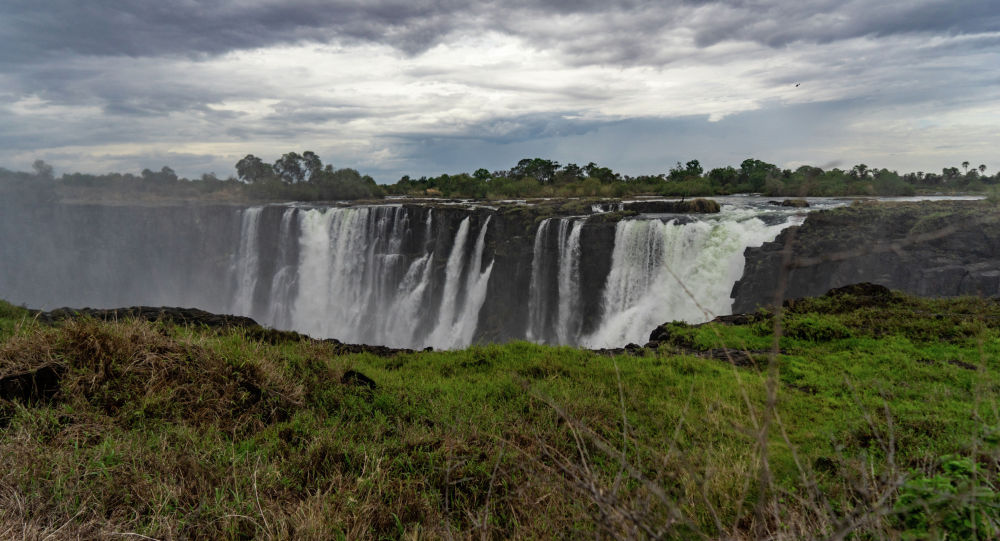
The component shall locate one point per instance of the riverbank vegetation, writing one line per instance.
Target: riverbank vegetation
(862, 413)
(303, 177)
(545, 178)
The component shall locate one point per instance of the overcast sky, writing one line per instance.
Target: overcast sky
(418, 87)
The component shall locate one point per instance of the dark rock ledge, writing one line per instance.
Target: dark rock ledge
(196, 317)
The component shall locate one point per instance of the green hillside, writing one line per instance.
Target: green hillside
(874, 415)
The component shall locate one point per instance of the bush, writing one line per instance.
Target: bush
(951, 504)
(816, 328)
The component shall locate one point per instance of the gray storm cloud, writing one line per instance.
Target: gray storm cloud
(110, 84)
(31, 30)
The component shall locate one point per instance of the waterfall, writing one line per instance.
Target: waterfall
(569, 317)
(458, 317)
(407, 277)
(349, 263)
(562, 322)
(367, 275)
(398, 274)
(284, 280)
(665, 271)
(537, 305)
(452, 281)
(475, 291)
(246, 262)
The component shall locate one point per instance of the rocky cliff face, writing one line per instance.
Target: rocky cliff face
(249, 261)
(937, 249)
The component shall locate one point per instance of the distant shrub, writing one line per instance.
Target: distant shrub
(816, 328)
(9, 311)
(951, 504)
(993, 195)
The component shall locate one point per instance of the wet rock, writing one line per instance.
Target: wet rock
(796, 203)
(931, 249)
(341, 348)
(194, 316)
(863, 289)
(174, 315)
(690, 206)
(738, 319)
(664, 334)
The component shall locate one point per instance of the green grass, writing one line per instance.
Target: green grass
(180, 432)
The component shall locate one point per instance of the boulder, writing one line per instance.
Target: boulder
(797, 203)
(353, 377)
(690, 206)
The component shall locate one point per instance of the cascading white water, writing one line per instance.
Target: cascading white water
(475, 292)
(666, 271)
(388, 275)
(359, 279)
(459, 315)
(569, 318)
(284, 279)
(452, 281)
(246, 262)
(537, 305)
(560, 323)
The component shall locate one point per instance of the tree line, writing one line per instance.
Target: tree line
(537, 177)
(304, 177)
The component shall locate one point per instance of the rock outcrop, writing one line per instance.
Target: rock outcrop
(690, 206)
(931, 249)
(26, 384)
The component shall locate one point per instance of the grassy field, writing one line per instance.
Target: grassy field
(865, 417)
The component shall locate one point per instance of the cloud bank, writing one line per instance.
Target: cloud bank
(418, 87)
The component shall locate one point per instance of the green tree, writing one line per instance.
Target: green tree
(756, 172)
(723, 176)
(289, 167)
(251, 169)
(603, 174)
(42, 169)
(693, 168)
(859, 171)
(311, 165)
(481, 174)
(165, 175)
(543, 171)
(949, 174)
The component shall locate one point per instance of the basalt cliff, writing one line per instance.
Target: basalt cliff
(931, 249)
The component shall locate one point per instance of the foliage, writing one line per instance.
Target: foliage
(816, 328)
(304, 177)
(536, 177)
(292, 177)
(955, 503)
(184, 432)
(993, 195)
